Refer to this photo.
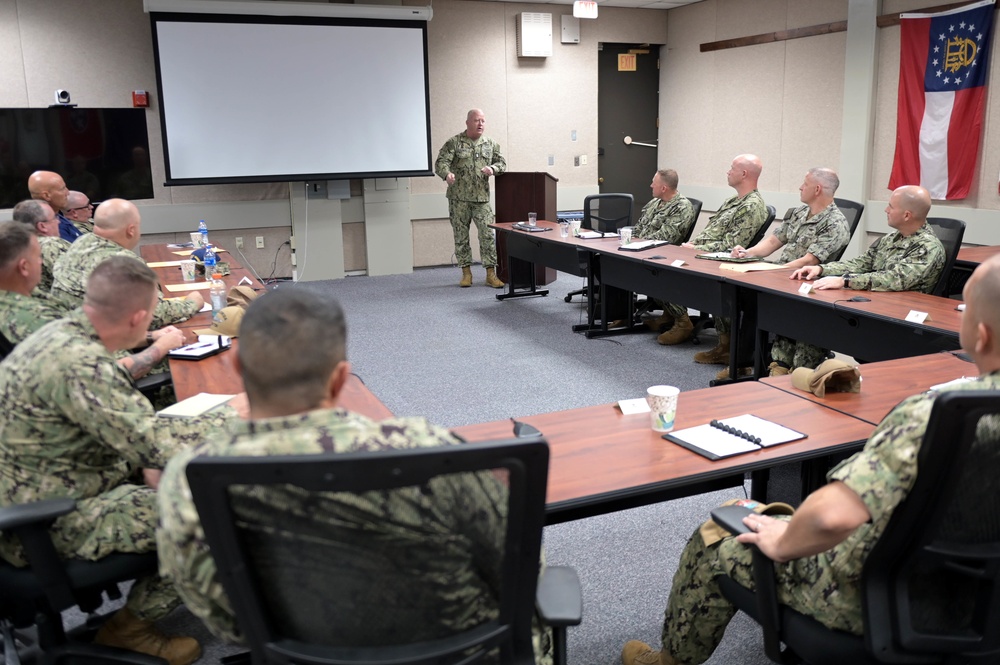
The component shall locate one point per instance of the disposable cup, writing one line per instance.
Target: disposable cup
(662, 407)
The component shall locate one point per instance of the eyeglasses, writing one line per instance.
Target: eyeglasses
(86, 207)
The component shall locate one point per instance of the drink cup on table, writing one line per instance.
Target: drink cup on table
(564, 229)
(625, 233)
(196, 239)
(662, 407)
(532, 218)
(575, 227)
(187, 270)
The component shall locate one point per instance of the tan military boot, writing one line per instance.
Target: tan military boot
(126, 631)
(493, 280)
(681, 331)
(661, 322)
(777, 369)
(741, 372)
(717, 356)
(466, 277)
(639, 653)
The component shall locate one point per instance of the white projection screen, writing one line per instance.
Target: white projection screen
(277, 98)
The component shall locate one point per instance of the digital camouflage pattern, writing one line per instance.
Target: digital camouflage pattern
(21, 315)
(665, 220)
(84, 226)
(53, 248)
(822, 235)
(451, 530)
(469, 196)
(826, 586)
(735, 223)
(73, 425)
(793, 354)
(895, 263)
(73, 269)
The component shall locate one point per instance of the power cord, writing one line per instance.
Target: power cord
(274, 264)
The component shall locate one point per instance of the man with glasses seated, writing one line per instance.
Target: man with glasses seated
(80, 210)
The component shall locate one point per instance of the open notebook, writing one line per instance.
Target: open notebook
(733, 436)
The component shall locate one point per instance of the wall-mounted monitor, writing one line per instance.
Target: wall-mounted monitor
(252, 98)
(103, 153)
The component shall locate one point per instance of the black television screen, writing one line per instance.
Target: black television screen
(103, 153)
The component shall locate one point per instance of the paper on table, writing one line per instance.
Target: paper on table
(188, 252)
(715, 441)
(590, 235)
(751, 267)
(769, 433)
(195, 405)
(633, 406)
(164, 264)
(188, 286)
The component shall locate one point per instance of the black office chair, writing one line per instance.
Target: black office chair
(931, 585)
(704, 320)
(950, 233)
(696, 208)
(313, 578)
(852, 210)
(605, 213)
(35, 596)
(5, 346)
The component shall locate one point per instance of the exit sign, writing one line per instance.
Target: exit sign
(585, 9)
(626, 62)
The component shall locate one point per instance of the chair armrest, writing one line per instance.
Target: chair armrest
(558, 596)
(766, 590)
(153, 382)
(41, 513)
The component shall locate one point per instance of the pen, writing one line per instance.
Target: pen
(205, 345)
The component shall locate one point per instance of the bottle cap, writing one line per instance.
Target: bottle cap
(216, 275)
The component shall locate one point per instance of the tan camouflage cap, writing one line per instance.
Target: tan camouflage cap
(834, 375)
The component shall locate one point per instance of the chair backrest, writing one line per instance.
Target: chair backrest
(932, 581)
(696, 208)
(852, 210)
(950, 233)
(312, 565)
(762, 231)
(606, 213)
(5, 346)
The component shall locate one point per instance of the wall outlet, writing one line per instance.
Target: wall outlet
(576, 161)
(291, 243)
(583, 160)
(260, 242)
(293, 259)
(239, 242)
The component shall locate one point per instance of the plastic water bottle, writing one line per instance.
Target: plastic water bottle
(217, 293)
(203, 230)
(209, 260)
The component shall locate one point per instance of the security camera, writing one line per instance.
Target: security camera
(62, 97)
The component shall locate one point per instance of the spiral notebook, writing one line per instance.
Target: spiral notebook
(733, 436)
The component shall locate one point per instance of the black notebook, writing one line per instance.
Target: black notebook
(733, 436)
(726, 257)
(523, 226)
(639, 245)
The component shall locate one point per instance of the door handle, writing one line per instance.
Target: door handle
(600, 181)
(628, 141)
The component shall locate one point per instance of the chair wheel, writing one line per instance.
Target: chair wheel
(568, 298)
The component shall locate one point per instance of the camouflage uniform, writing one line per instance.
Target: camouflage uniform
(73, 425)
(895, 263)
(735, 223)
(826, 586)
(86, 226)
(52, 249)
(462, 555)
(822, 235)
(73, 269)
(21, 316)
(469, 197)
(665, 220)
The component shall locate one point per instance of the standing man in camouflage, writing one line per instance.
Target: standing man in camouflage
(78, 210)
(117, 231)
(815, 232)
(293, 411)
(910, 258)
(466, 163)
(48, 186)
(73, 425)
(735, 223)
(41, 219)
(820, 552)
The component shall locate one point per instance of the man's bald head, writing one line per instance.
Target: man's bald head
(915, 199)
(751, 163)
(48, 186)
(744, 173)
(119, 221)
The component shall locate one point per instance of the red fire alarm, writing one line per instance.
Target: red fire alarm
(140, 99)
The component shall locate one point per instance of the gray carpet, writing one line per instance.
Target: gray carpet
(459, 356)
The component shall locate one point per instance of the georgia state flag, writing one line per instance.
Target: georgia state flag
(942, 88)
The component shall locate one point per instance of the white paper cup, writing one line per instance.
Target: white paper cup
(532, 218)
(575, 226)
(625, 233)
(564, 229)
(196, 239)
(187, 270)
(662, 407)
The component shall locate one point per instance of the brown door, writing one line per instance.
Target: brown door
(627, 106)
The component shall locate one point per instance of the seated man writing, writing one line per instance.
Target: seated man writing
(293, 411)
(819, 554)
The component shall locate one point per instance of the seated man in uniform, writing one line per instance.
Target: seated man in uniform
(820, 552)
(39, 217)
(293, 411)
(74, 426)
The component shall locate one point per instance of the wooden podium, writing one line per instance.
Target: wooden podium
(517, 194)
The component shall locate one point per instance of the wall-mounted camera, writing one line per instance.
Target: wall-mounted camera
(62, 98)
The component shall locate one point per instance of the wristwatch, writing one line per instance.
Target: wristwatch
(847, 280)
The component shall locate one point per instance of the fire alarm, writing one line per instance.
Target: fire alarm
(140, 99)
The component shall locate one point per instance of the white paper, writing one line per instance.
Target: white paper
(590, 235)
(632, 406)
(195, 405)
